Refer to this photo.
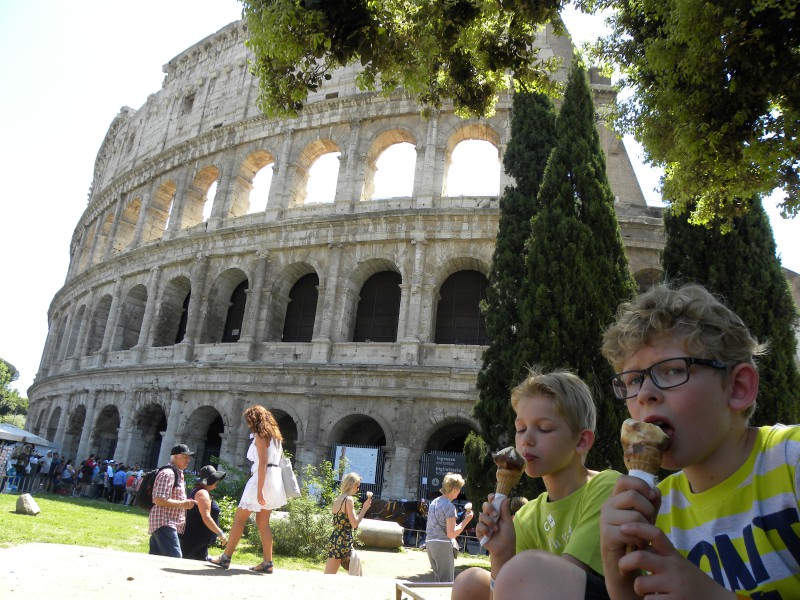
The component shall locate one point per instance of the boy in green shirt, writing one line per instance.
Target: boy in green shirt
(553, 541)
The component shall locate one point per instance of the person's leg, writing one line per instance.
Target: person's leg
(440, 555)
(471, 584)
(332, 566)
(552, 577)
(167, 543)
(262, 520)
(235, 534)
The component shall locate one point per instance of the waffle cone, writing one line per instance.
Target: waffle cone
(644, 458)
(506, 480)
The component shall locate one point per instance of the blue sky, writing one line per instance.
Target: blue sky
(66, 69)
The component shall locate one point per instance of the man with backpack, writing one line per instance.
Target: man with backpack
(168, 514)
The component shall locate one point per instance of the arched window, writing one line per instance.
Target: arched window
(378, 309)
(233, 322)
(458, 317)
(301, 310)
(184, 319)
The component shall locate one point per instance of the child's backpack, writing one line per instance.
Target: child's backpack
(144, 495)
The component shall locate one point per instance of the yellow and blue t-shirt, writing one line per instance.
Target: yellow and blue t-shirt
(744, 532)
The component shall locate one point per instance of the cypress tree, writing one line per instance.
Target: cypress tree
(533, 135)
(741, 267)
(577, 270)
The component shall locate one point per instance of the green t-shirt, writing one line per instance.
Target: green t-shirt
(567, 526)
(745, 531)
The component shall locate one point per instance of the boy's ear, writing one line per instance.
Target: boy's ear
(743, 380)
(585, 441)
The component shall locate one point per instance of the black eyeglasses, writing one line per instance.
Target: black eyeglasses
(664, 374)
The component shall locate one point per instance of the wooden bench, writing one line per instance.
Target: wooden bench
(408, 587)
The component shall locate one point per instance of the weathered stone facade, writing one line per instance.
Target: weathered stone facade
(170, 324)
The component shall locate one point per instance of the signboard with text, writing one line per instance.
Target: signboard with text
(442, 463)
(363, 461)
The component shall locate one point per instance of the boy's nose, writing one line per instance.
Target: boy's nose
(649, 391)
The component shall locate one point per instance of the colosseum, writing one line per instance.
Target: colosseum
(354, 319)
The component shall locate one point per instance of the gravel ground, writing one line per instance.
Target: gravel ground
(44, 571)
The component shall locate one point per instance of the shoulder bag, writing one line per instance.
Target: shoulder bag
(290, 485)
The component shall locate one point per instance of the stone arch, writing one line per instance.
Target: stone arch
(647, 278)
(126, 226)
(98, 324)
(173, 312)
(105, 432)
(284, 282)
(158, 212)
(240, 201)
(202, 431)
(63, 327)
(306, 159)
(475, 131)
(52, 424)
(458, 317)
(39, 429)
(449, 434)
(287, 423)
(378, 147)
(75, 330)
(360, 430)
(149, 424)
(220, 305)
(131, 316)
(72, 434)
(196, 196)
(354, 286)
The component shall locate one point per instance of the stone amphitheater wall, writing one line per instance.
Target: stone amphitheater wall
(137, 356)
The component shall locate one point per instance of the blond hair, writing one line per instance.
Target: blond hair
(690, 313)
(451, 482)
(571, 397)
(349, 481)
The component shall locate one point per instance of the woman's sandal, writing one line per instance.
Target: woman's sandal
(222, 561)
(264, 567)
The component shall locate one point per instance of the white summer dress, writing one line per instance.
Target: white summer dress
(274, 493)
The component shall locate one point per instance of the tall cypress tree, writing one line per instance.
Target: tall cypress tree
(533, 136)
(741, 266)
(577, 270)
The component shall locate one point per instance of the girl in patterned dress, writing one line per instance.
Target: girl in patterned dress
(344, 522)
(264, 490)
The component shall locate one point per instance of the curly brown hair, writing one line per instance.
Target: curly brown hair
(262, 423)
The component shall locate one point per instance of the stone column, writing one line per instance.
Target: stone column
(280, 189)
(61, 428)
(185, 350)
(348, 167)
(113, 319)
(124, 436)
(254, 294)
(225, 192)
(76, 258)
(321, 344)
(145, 340)
(506, 180)
(98, 229)
(114, 227)
(145, 206)
(176, 408)
(178, 204)
(396, 467)
(237, 439)
(425, 187)
(307, 448)
(88, 427)
(80, 348)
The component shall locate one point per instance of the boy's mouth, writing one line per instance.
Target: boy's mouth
(665, 426)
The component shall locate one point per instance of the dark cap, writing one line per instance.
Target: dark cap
(209, 475)
(181, 449)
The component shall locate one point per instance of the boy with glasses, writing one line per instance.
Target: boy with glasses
(727, 525)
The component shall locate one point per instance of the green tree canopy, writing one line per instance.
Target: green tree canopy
(462, 50)
(715, 97)
(13, 407)
(716, 85)
(742, 268)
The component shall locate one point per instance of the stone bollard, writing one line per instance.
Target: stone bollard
(380, 534)
(26, 505)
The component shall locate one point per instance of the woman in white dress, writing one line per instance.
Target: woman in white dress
(264, 490)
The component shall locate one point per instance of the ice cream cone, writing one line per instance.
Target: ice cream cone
(643, 458)
(506, 480)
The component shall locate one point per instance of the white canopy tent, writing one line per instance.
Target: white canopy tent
(15, 434)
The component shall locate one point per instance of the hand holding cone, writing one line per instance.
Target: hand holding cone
(510, 466)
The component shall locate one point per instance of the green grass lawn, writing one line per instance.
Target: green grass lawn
(100, 524)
